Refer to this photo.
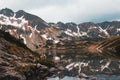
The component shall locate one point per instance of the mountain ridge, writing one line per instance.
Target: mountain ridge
(25, 39)
(35, 32)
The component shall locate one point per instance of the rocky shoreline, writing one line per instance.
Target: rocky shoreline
(17, 62)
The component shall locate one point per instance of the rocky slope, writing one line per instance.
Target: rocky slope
(35, 32)
(17, 62)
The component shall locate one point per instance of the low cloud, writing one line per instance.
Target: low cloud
(68, 10)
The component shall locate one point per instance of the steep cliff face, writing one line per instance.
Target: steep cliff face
(17, 62)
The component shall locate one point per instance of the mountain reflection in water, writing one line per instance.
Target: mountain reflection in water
(81, 65)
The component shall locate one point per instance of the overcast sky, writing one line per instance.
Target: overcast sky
(68, 10)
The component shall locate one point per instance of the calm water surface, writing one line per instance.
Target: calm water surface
(81, 65)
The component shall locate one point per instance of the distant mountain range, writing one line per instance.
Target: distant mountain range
(35, 32)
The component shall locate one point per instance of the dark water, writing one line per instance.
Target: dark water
(81, 65)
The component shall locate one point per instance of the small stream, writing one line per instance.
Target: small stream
(81, 65)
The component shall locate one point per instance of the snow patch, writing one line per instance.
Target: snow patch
(15, 30)
(23, 28)
(56, 41)
(49, 38)
(78, 31)
(104, 31)
(24, 40)
(30, 35)
(69, 32)
(118, 29)
(56, 58)
(70, 66)
(44, 36)
(106, 66)
(13, 21)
